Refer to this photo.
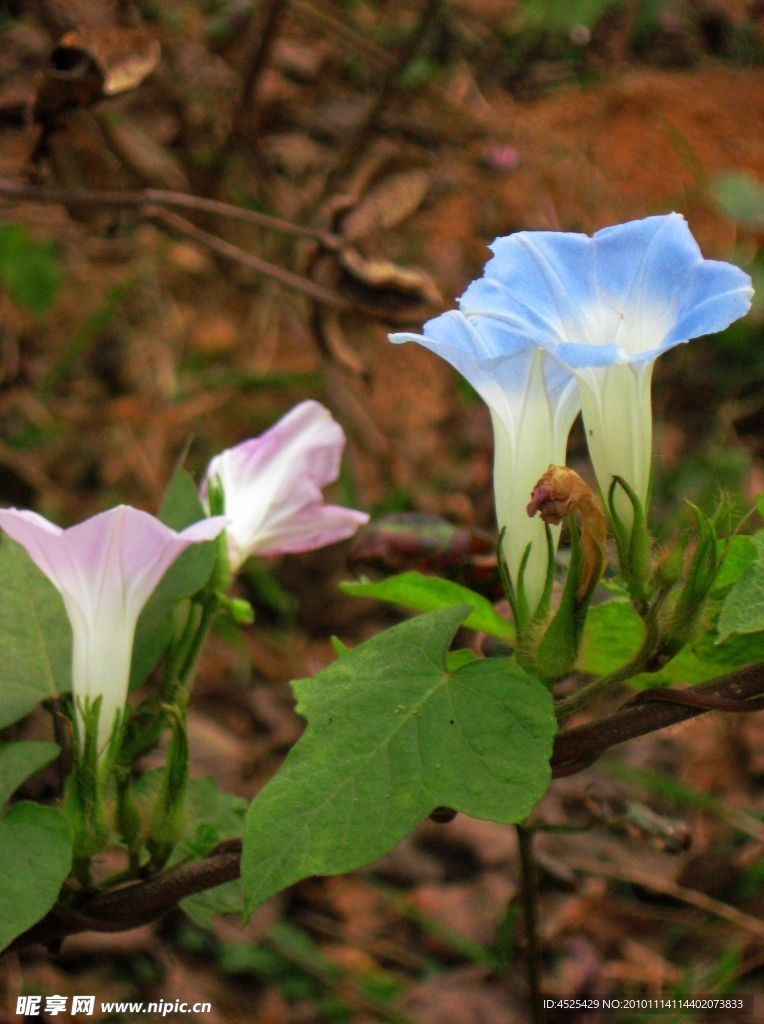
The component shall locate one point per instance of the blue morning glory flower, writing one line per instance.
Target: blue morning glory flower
(533, 401)
(606, 307)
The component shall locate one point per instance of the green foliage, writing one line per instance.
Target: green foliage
(86, 337)
(705, 658)
(427, 593)
(36, 850)
(31, 271)
(19, 761)
(562, 15)
(186, 576)
(743, 608)
(741, 553)
(391, 735)
(740, 197)
(612, 636)
(35, 636)
(211, 817)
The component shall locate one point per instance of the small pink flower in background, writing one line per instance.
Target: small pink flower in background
(105, 570)
(272, 486)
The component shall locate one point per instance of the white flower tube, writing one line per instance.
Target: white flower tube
(606, 307)
(533, 402)
(272, 486)
(105, 569)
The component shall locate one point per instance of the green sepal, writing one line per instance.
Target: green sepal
(168, 817)
(128, 819)
(634, 554)
(546, 597)
(557, 652)
(237, 608)
(515, 594)
(83, 795)
(707, 560)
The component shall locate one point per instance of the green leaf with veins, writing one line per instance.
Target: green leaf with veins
(743, 608)
(186, 576)
(741, 553)
(392, 735)
(35, 636)
(612, 636)
(20, 761)
(426, 593)
(36, 849)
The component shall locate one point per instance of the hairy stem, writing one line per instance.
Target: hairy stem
(530, 897)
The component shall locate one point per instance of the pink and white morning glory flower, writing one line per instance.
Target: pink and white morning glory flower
(272, 486)
(105, 569)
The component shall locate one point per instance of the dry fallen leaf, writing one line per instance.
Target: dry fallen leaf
(383, 275)
(123, 56)
(388, 203)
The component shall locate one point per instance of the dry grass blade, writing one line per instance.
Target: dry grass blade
(343, 986)
(667, 888)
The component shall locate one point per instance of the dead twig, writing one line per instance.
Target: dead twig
(257, 53)
(344, 31)
(237, 255)
(360, 137)
(161, 197)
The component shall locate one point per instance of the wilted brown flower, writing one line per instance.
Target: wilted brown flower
(558, 494)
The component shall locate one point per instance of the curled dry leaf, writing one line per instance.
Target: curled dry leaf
(388, 203)
(123, 56)
(559, 493)
(384, 275)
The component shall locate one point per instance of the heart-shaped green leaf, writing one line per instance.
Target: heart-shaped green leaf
(391, 736)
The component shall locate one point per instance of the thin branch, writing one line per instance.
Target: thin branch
(257, 56)
(343, 30)
(160, 197)
(237, 255)
(576, 749)
(360, 138)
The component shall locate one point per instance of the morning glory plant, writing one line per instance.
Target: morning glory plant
(424, 718)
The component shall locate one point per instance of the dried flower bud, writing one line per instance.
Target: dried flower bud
(559, 493)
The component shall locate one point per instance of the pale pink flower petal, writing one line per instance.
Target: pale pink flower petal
(272, 487)
(105, 570)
